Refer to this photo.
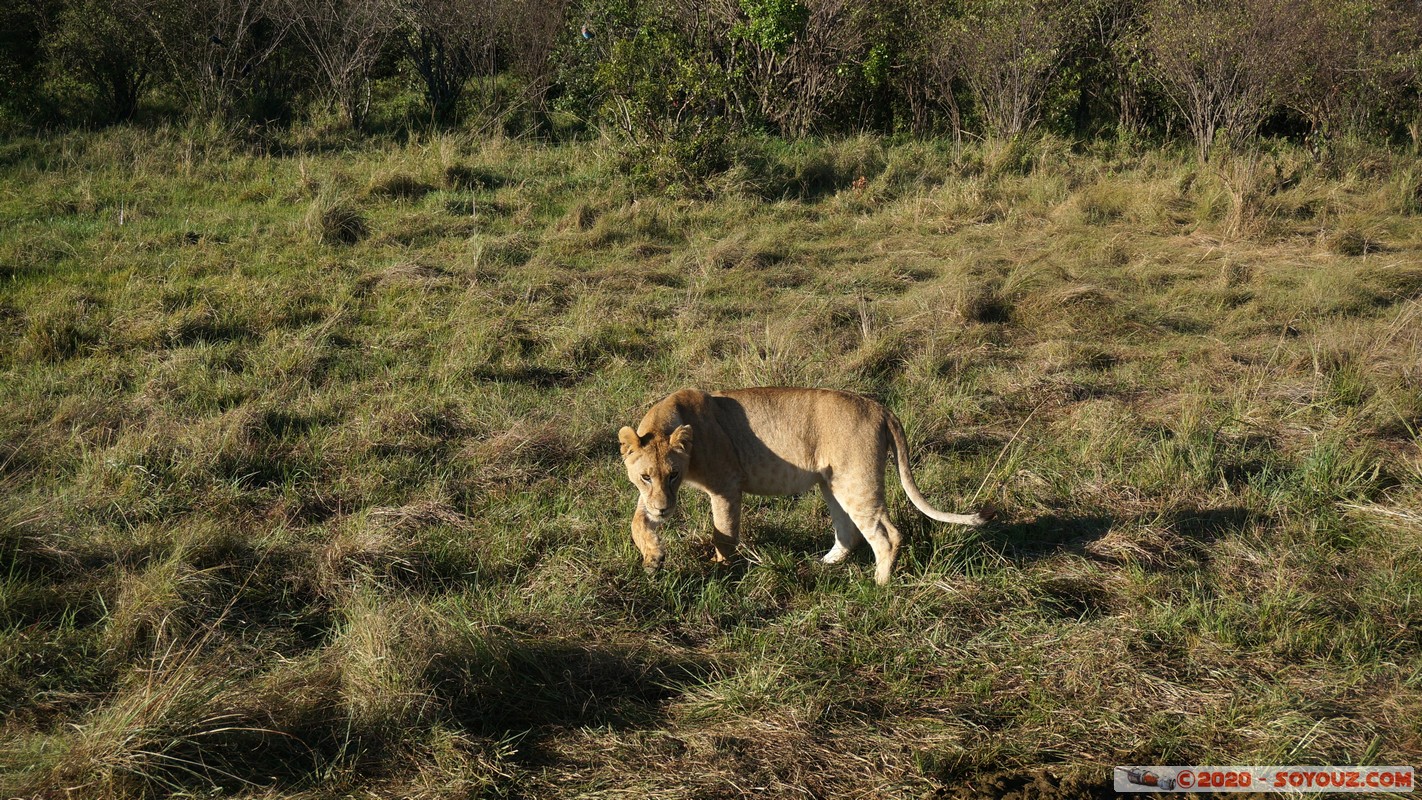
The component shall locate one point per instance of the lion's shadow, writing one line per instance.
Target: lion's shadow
(1018, 541)
(1023, 541)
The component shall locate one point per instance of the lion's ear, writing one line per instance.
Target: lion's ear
(628, 438)
(681, 438)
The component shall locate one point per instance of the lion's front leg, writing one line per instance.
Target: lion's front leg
(645, 536)
(726, 516)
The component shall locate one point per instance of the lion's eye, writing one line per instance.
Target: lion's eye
(674, 477)
(646, 479)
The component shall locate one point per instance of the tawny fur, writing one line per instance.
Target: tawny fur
(772, 441)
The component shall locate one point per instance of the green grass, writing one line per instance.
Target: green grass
(308, 484)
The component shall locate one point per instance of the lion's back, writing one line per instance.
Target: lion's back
(807, 427)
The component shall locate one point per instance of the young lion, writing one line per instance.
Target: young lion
(772, 441)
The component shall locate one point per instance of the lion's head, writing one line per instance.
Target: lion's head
(656, 464)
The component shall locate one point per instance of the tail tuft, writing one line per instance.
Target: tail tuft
(985, 514)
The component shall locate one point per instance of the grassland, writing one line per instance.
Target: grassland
(308, 483)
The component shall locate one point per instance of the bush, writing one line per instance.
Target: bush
(645, 76)
(683, 163)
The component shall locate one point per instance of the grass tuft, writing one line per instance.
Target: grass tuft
(399, 186)
(336, 222)
(462, 177)
(1353, 243)
(984, 306)
(1411, 192)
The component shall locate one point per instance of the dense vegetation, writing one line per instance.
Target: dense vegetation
(318, 318)
(677, 77)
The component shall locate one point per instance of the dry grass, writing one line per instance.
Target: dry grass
(336, 222)
(286, 519)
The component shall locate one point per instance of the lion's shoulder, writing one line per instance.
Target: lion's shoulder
(683, 407)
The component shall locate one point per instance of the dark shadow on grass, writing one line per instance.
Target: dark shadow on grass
(1045, 535)
(1191, 529)
(50, 581)
(974, 444)
(1188, 532)
(525, 690)
(462, 177)
(693, 599)
(805, 538)
(1205, 525)
(533, 375)
(532, 689)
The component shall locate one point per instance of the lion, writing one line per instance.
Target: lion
(772, 441)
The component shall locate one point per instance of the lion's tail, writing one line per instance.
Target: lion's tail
(911, 488)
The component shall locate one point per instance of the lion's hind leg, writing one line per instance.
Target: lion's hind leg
(884, 538)
(846, 533)
(865, 505)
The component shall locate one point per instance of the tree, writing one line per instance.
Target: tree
(656, 80)
(528, 35)
(1400, 66)
(22, 55)
(213, 49)
(109, 51)
(344, 39)
(1219, 63)
(1386, 87)
(448, 42)
(1114, 30)
(795, 60)
(910, 68)
(1332, 59)
(929, 82)
(1010, 51)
